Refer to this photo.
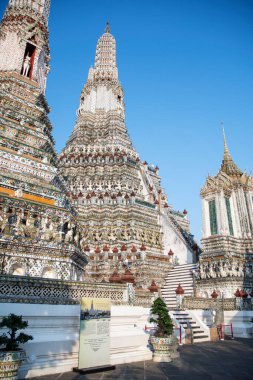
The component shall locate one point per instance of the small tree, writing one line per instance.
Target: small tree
(13, 323)
(163, 320)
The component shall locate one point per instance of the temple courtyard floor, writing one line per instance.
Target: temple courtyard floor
(224, 360)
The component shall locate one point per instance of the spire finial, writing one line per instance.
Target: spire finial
(107, 28)
(226, 151)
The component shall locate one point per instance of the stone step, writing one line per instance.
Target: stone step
(197, 333)
(184, 266)
(200, 337)
(179, 275)
(177, 279)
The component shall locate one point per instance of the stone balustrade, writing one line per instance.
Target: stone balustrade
(34, 290)
(195, 303)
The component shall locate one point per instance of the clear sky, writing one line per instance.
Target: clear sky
(185, 66)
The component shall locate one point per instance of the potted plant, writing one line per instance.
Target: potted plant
(11, 354)
(163, 341)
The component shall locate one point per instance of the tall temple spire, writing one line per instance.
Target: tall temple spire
(24, 47)
(118, 197)
(228, 166)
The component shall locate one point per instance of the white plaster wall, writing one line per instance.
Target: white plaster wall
(102, 98)
(11, 53)
(55, 329)
(173, 241)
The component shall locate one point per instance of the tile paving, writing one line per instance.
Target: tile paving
(225, 360)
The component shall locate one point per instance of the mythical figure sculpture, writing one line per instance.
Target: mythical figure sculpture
(26, 65)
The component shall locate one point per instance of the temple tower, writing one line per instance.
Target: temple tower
(127, 222)
(39, 235)
(227, 203)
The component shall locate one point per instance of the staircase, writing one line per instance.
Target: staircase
(181, 274)
(187, 319)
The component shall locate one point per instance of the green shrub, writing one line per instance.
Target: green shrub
(162, 318)
(12, 341)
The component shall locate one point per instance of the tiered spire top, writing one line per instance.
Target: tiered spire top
(105, 60)
(228, 166)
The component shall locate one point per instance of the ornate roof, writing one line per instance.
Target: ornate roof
(228, 176)
(228, 166)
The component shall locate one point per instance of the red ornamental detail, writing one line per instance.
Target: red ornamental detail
(123, 248)
(214, 294)
(127, 276)
(106, 194)
(185, 212)
(88, 196)
(115, 250)
(119, 194)
(93, 194)
(80, 195)
(151, 188)
(156, 202)
(159, 191)
(171, 253)
(68, 194)
(251, 293)
(126, 196)
(243, 294)
(86, 249)
(97, 250)
(143, 248)
(101, 196)
(166, 205)
(133, 249)
(132, 194)
(106, 248)
(153, 287)
(115, 277)
(237, 293)
(179, 290)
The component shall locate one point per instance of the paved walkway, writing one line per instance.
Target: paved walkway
(227, 360)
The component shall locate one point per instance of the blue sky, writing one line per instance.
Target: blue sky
(185, 66)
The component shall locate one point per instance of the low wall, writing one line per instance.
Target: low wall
(242, 327)
(55, 329)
